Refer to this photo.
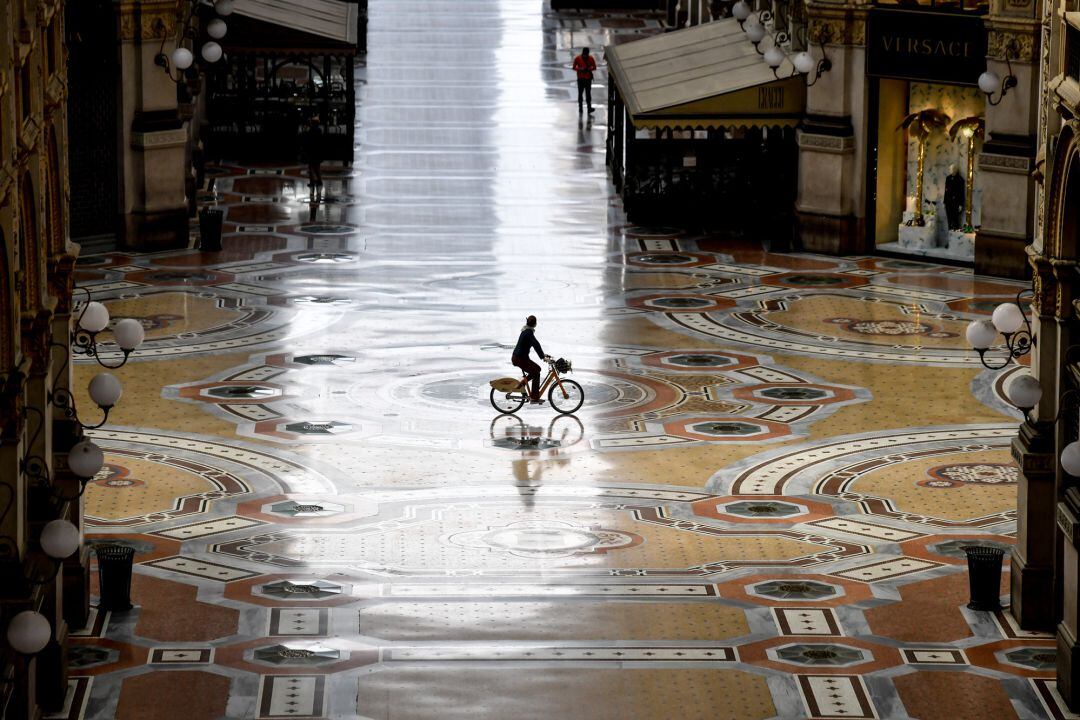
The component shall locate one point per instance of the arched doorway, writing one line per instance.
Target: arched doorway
(93, 122)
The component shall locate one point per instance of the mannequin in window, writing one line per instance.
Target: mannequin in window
(954, 197)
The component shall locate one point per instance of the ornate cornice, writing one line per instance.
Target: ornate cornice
(61, 277)
(836, 25)
(1052, 281)
(36, 338)
(1018, 40)
(148, 20)
(1042, 283)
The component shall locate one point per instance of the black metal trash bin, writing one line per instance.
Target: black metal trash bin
(114, 576)
(210, 229)
(984, 576)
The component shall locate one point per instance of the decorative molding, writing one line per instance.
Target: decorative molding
(1031, 463)
(153, 21)
(836, 26)
(1005, 163)
(36, 338)
(826, 143)
(158, 139)
(1018, 43)
(61, 277)
(1043, 282)
(1068, 524)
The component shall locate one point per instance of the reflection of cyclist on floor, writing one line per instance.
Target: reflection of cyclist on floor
(527, 341)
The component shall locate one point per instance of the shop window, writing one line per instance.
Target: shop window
(927, 195)
(1072, 52)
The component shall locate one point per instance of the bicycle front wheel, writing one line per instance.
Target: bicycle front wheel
(507, 403)
(566, 396)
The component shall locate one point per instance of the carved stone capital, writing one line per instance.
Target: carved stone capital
(1068, 512)
(36, 338)
(62, 281)
(147, 20)
(1017, 40)
(833, 25)
(1044, 284)
(1033, 464)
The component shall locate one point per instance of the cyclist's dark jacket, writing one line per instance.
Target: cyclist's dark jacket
(527, 339)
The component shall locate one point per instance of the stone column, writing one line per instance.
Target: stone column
(1032, 572)
(76, 570)
(1067, 590)
(829, 208)
(1008, 154)
(153, 137)
(1033, 557)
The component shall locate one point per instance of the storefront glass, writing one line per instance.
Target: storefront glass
(931, 111)
(925, 132)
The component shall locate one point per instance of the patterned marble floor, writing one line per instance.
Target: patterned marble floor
(759, 512)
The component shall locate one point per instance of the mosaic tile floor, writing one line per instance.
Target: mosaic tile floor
(759, 512)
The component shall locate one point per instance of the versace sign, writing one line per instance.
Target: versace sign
(935, 47)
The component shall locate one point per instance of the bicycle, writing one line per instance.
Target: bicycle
(566, 396)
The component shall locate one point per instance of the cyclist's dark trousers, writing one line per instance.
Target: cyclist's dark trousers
(584, 87)
(531, 369)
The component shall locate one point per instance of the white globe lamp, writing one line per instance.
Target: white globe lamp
(224, 8)
(1070, 458)
(1008, 318)
(94, 318)
(216, 28)
(989, 82)
(755, 32)
(981, 334)
(182, 58)
(211, 52)
(105, 390)
(85, 459)
(740, 10)
(804, 62)
(1023, 391)
(29, 632)
(60, 539)
(129, 333)
(774, 56)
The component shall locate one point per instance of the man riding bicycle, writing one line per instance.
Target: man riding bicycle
(527, 341)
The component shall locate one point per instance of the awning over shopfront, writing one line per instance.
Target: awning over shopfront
(707, 76)
(320, 21)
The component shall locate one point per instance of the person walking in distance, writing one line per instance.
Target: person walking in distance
(313, 152)
(527, 341)
(584, 66)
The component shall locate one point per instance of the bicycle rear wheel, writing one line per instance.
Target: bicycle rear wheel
(566, 396)
(507, 403)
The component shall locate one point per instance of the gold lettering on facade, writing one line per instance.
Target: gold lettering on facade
(926, 46)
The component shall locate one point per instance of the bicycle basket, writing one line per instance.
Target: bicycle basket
(562, 365)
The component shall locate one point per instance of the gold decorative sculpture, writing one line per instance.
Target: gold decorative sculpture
(922, 124)
(971, 129)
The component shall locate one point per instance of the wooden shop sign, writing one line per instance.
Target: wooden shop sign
(934, 47)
